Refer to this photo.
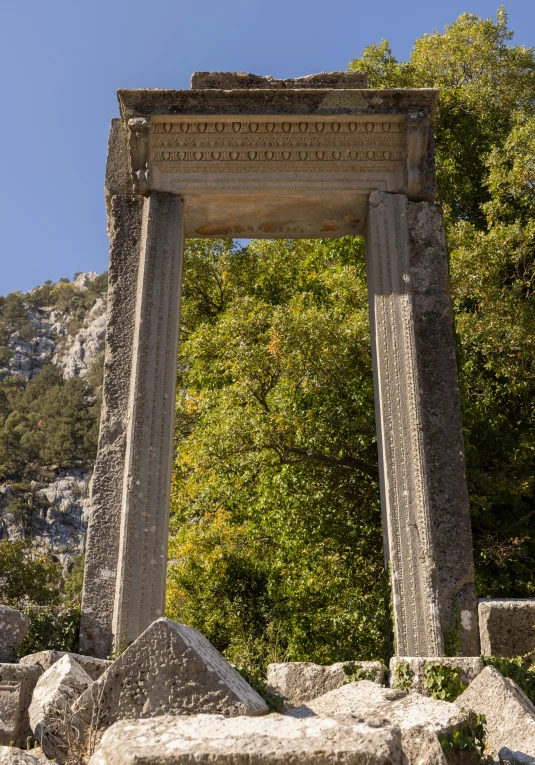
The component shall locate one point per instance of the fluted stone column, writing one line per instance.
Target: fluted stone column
(425, 503)
(124, 588)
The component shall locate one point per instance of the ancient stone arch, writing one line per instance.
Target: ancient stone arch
(246, 156)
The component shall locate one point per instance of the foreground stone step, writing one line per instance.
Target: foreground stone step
(300, 681)
(13, 629)
(16, 687)
(412, 713)
(169, 669)
(45, 659)
(409, 672)
(50, 710)
(510, 715)
(10, 755)
(506, 626)
(274, 739)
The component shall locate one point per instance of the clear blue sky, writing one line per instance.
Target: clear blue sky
(63, 60)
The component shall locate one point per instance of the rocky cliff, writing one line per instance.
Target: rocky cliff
(61, 325)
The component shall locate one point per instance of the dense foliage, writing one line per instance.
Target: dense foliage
(276, 525)
(276, 540)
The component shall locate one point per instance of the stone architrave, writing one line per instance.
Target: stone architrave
(426, 513)
(273, 740)
(243, 156)
(124, 582)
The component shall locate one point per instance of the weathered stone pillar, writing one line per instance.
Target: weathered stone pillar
(423, 486)
(124, 586)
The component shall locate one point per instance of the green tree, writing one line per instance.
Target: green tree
(484, 83)
(277, 535)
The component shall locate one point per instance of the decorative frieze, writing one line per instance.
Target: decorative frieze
(277, 146)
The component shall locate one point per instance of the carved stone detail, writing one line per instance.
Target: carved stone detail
(288, 146)
(424, 495)
(142, 560)
(138, 143)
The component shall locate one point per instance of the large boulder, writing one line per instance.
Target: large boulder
(271, 740)
(50, 710)
(510, 715)
(45, 659)
(13, 628)
(410, 712)
(507, 626)
(299, 681)
(16, 688)
(409, 672)
(11, 755)
(169, 669)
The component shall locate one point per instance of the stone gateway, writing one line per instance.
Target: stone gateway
(245, 156)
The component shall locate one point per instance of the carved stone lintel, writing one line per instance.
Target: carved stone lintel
(424, 494)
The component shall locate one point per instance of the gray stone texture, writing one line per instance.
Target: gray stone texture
(237, 80)
(142, 561)
(141, 102)
(124, 582)
(426, 518)
(470, 667)
(422, 747)
(509, 713)
(420, 719)
(402, 709)
(300, 681)
(507, 626)
(271, 740)
(107, 484)
(169, 669)
(49, 711)
(17, 683)
(13, 628)
(45, 659)
(10, 755)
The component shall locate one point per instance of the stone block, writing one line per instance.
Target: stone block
(49, 712)
(422, 747)
(274, 739)
(13, 628)
(11, 755)
(470, 667)
(16, 687)
(169, 669)
(510, 715)
(45, 659)
(414, 714)
(240, 80)
(507, 626)
(300, 681)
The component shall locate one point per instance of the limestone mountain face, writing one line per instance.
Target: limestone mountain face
(69, 333)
